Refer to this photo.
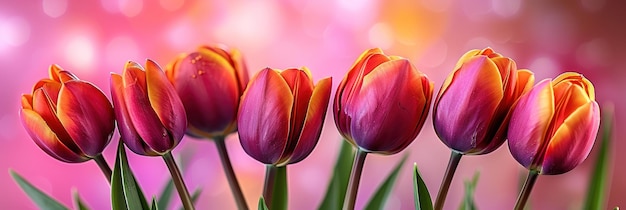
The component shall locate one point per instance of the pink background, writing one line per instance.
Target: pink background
(93, 38)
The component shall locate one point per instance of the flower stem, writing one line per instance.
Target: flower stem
(455, 158)
(525, 193)
(355, 178)
(104, 167)
(230, 173)
(178, 181)
(268, 187)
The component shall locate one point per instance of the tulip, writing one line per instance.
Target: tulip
(151, 118)
(380, 107)
(281, 115)
(68, 118)
(382, 103)
(210, 82)
(553, 127)
(280, 119)
(471, 109)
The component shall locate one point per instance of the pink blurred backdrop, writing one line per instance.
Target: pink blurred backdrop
(93, 38)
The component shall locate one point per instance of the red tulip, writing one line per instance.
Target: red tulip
(553, 127)
(281, 115)
(470, 112)
(70, 119)
(382, 103)
(151, 118)
(209, 82)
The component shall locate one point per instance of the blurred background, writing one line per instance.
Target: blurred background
(94, 38)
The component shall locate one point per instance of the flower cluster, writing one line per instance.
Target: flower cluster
(379, 107)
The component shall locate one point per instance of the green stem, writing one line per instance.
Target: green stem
(230, 174)
(455, 158)
(177, 178)
(104, 167)
(528, 187)
(268, 187)
(355, 178)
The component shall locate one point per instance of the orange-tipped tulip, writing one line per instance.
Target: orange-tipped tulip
(470, 112)
(382, 103)
(554, 126)
(281, 115)
(209, 82)
(70, 119)
(151, 118)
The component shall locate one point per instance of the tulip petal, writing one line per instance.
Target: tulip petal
(144, 119)
(525, 81)
(529, 122)
(43, 106)
(463, 112)
(209, 93)
(27, 101)
(46, 139)
(301, 88)
(241, 69)
(263, 118)
(573, 140)
(568, 98)
(87, 115)
(165, 102)
(315, 115)
(386, 107)
(127, 130)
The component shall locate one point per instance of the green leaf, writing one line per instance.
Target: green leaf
(154, 205)
(422, 196)
(336, 191)
(262, 205)
(41, 199)
(381, 195)
(80, 205)
(166, 195)
(468, 199)
(596, 192)
(126, 193)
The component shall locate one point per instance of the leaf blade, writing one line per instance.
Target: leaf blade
(378, 200)
(336, 190)
(125, 191)
(421, 194)
(596, 192)
(41, 199)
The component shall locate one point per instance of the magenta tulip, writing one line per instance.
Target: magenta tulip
(281, 115)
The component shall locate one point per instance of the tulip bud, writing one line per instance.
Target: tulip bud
(70, 119)
(470, 112)
(209, 82)
(281, 115)
(553, 127)
(382, 103)
(151, 118)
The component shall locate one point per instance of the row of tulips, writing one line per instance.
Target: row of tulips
(380, 106)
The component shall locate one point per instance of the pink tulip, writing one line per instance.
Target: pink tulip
(554, 126)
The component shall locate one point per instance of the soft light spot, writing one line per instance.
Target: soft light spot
(593, 54)
(252, 24)
(110, 6)
(437, 5)
(478, 43)
(119, 50)
(171, 5)
(380, 35)
(14, 32)
(592, 5)
(507, 8)
(181, 35)
(54, 8)
(544, 67)
(476, 10)
(435, 54)
(130, 8)
(79, 52)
